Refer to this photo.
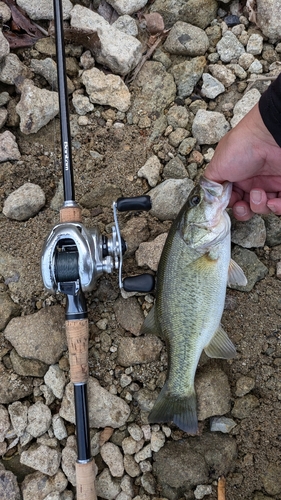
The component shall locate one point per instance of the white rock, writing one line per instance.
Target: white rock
(209, 126)
(130, 446)
(108, 90)
(56, 380)
(127, 6)
(59, 429)
(18, 416)
(202, 490)
(149, 252)
(113, 458)
(211, 87)
(135, 432)
(168, 197)
(243, 106)
(39, 419)
(4, 422)
(8, 147)
(42, 458)
(126, 24)
(24, 202)
(12, 68)
(229, 47)
(151, 170)
(117, 50)
(143, 454)
(255, 44)
(157, 440)
(43, 9)
(81, 103)
(5, 12)
(256, 67)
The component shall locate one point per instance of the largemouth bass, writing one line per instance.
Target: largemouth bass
(193, 273)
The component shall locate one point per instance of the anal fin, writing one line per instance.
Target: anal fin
(220, 346)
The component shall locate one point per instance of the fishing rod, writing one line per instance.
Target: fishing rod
(73, 258)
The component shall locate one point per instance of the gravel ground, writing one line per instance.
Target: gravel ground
(134, 133)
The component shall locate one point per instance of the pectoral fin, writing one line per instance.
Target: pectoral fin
(220, 346)
(235, 275)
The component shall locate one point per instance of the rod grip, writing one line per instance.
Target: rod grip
(77, 333)
(85, 481)
(70, 214)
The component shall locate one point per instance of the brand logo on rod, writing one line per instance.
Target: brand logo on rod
(66, 157)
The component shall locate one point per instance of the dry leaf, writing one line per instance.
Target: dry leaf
(22, 31)
(89, 39)
(105, 435)
(251, 5)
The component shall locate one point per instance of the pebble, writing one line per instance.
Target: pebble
(4, 422)
(48, 69)
(223, 74)
(126, 24)
(244, 406)
(213, 392)
(28, 335)
(187, 74)
(249, 234)
(59, 428)
(209, 126)
(133, 351)
(133, 321)
(107, 90)
(211, 87)
(13, 387)
(271, 479)
(149, 253)
(229, 47)
(68, 459)
(18, 415)
(38, 485)
(24, 202)
(151, 170)
(135, 432)
(243, 106)
(157, 440)
(187, 40)
(55, 379)
(168, 197)
(143, 454)
(36, 107)
(39, 419)
(41, 458)
(9, 489)
(222, 424)
(255, 44)
(12, 69)
(81, 103)
(130, 466)
(202, 490)
(107, 487)
(46, 9)
(244, 385)
(113, 458)
(7, 309)
(8, 147)
(175, 169)
(253, 268)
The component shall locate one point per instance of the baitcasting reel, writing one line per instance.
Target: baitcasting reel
(74, 256)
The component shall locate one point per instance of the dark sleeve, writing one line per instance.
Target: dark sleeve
(270, 109)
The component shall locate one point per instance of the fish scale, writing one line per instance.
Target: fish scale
(192, 278)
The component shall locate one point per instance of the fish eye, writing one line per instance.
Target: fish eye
(195, 200)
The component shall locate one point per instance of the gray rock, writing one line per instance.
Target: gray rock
(253, 268)
(36, 107)
(273, 229)
(113, 458)
(28, 336)
(3, 116)
(195, 462)
(139, 350)
(177, 136)
(197, 12)
(213, 392)
(145, 399)
(156, 90)
(24, 202)
(223, 74)
(202, 490)
(27, 367)
(130, 446)
(13, 69)
(244, 385)
(249, 234)
(178, 116)
(42, 458)
(243, 106)
(243, 407)
(148, 483)
(8, 147)
(157, 440)
(187, 74)
(43, 10)
(209, 126)
(151, 170)
(105, 409)
(55, 379)
(4, 46)
(143, 454)
(107, 90)
(211, 87)
(126, 24)
(107, 487)
(13, 387)
(127, 6)
(8, 309)
(175, 169)
(39, 419)
(229, 47)
(68, 459)
(135, 232)
(185, 147)
(59, 428)
(81, 103)
(18, 415)
(256, 67)
(37, 485)
(117, 50)
(222, 424)
(268, 23)
(168, 197)
(187, 40)
(131, 466)
(9, 489)
(135, 432)
(129, 314)
(5, 12)
(255, 44)
(4, 422)
(272, 479)
(48, 69)
(149, 253)
(103, 194)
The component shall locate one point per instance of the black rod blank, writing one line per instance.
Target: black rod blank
(68, 183)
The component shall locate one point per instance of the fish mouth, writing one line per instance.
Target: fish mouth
(214, 191)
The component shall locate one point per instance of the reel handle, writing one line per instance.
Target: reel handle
(134, 203)
(142, 283)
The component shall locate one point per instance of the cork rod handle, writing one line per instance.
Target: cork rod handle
(85, 481)
(77, 332)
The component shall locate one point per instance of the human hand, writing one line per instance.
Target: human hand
(249, 157)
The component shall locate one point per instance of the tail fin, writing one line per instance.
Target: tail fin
(180, 410)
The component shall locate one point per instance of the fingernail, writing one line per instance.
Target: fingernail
(240, 211)
(256, 196)
(272, 207)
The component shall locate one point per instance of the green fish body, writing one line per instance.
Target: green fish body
(192, 277)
